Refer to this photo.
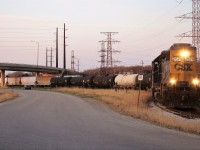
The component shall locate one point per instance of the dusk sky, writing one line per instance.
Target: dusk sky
(146, 27)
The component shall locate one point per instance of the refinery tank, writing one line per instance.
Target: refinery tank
(126, 81)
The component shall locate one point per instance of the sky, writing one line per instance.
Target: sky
(145, 28)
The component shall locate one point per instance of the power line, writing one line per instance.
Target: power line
(26, 28)
(157, 19)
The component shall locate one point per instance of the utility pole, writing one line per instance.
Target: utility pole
(195, 33)
(46, 57)
(78, 65)
(51, 60)
(56, 47)
(64, 55)
(72, 60)
(142, 63)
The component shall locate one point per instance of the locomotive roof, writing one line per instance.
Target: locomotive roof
(163, 55)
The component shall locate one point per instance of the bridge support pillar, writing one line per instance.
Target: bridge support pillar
(2, 78)
(37, 74)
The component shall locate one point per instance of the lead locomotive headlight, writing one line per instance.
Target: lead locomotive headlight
(184, 53)
(172, 81)
(195, 82)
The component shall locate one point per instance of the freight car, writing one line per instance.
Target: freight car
(88, 81)
(131, 81)
(104, 81)
(13, 81)
(32, 81)
(65, 81)
(43, 80)
(126, 81)
(28, 81)
(146, 82)
(175, 80)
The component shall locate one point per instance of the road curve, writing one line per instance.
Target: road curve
(39, 120)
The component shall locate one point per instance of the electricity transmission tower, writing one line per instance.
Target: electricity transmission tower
(195, 33)
(72, 60)
(103, 55)
(109, 56)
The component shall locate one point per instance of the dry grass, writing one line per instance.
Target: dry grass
(126, 103)
(7, 95)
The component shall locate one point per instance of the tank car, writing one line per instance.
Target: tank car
(76, 81)
(146, 82)
(60, 81)
(88, 81)
(174, 76)
(104, 81)
(126, 81)
(55, 81)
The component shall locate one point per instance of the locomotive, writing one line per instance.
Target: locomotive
(175, 81)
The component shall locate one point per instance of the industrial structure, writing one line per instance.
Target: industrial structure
(107, 55)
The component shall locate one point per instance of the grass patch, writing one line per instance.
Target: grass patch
(127, 102)
(7, 95)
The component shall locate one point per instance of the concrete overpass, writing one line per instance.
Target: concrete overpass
(29, 68)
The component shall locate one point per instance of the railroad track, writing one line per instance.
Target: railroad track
(185, 113)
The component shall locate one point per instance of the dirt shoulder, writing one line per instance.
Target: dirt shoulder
(6, 95)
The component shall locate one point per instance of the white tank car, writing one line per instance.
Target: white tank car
(28, 80)
(12, 81)
(126, 81)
